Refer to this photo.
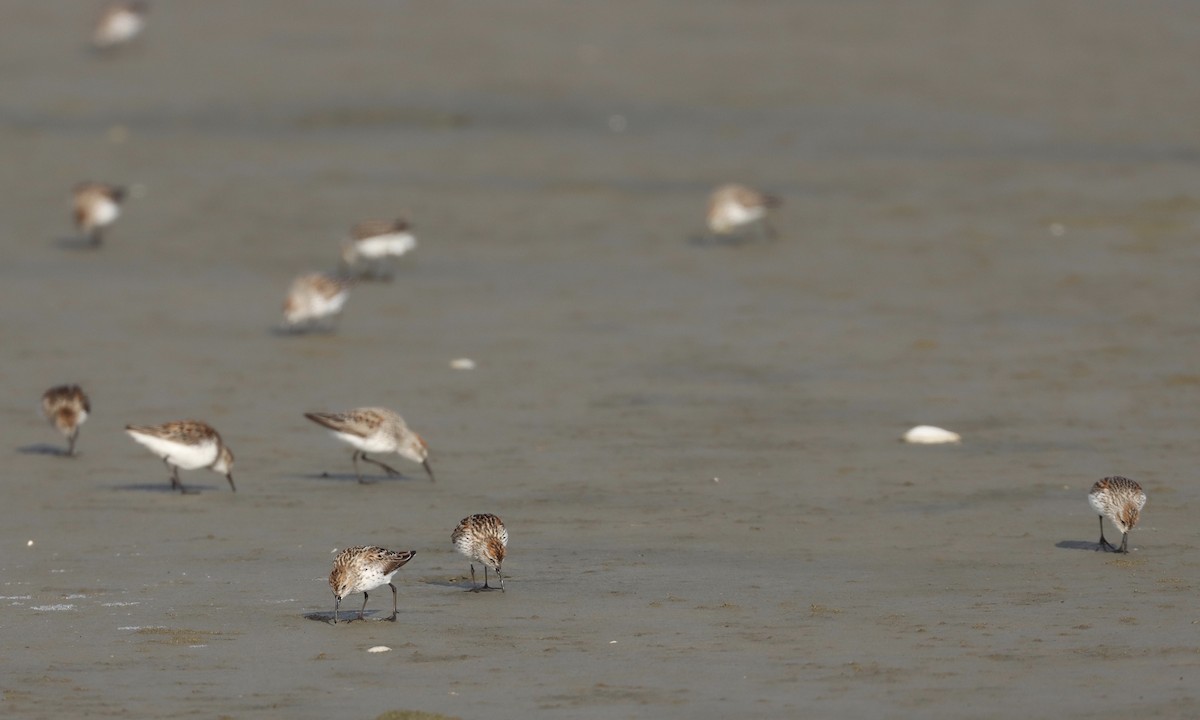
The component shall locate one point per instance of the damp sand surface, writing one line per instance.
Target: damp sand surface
(990, 225)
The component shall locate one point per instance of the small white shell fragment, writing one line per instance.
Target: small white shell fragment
(29, 544)
(462, 364)
(930, 435)
(379, 649)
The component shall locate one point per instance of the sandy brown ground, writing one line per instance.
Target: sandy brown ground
(990, 225)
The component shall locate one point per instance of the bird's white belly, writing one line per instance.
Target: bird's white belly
(122, 27)
(740, 214)
(392, 244)
(186, 457)
(377, 442)
(322, 306)
(104, 212)
(368, 581)
(312, 306)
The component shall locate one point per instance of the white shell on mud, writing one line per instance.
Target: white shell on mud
(462, 364)
(379, 649)
(930, 435)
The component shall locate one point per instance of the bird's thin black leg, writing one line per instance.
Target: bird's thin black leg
(394, 606)
(364, 607)
(175, 483)
(1104, 544)
(387, 468)
(354, 458)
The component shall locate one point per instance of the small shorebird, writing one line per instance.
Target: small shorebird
(375, 429)
(120, 23)
(484, 539)
(312, 298)
(187, 444)
(362, 569)
(930, 435)
(66, 407)
(1120, 500)
(95, 207)
(732, 207)
(374, 241)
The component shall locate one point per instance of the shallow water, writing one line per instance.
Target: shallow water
(989, 226)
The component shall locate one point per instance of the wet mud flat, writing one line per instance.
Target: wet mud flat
(693, 443)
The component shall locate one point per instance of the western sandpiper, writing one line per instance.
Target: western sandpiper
(375, 429)
(313, 298)
(66, 407)
(187, 444)
(484, 539)
(732, 207)
(374, 241)
(930, 435)
(362, 569)
(96, 206)
(1120, 500)
(120, 23)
